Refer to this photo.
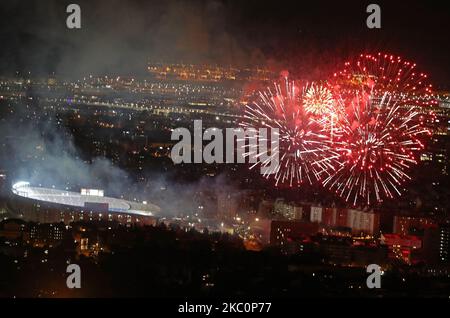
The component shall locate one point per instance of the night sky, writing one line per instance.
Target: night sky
(307, 38)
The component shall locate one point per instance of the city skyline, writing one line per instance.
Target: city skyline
(213, 149)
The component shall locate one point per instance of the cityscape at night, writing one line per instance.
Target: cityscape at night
(211, 149)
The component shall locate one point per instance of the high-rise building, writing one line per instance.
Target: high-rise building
(341, 218)
(444, 243)
(282, 232)
(408, 225)
(316, 214)
(430, 245)
(298, 212)
(361, 221)
(329, 216)
(284, 209)
(227, 205)
(46, 233)
(306, 212)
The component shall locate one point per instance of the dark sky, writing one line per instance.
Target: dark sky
(310, 37)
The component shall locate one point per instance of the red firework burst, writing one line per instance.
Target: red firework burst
(358, 134)
(380, 142)
(381, 73)
(304, 149)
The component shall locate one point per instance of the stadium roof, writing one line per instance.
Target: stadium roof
(75, 199)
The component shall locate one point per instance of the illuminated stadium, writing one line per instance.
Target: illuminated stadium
(91, 200)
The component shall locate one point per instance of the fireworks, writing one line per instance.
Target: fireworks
(304, 152)
(382, 73)
(324, 108)
(379, 145)
(358, 134)
(381, 128)
(318, 100)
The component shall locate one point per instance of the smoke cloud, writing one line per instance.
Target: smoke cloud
(117, 36)
(44, 153)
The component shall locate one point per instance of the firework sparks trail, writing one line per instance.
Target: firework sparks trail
(323, 107)
(379, 144)
(382, 73)
(358, 134)
(305, 151)
(318, 99)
